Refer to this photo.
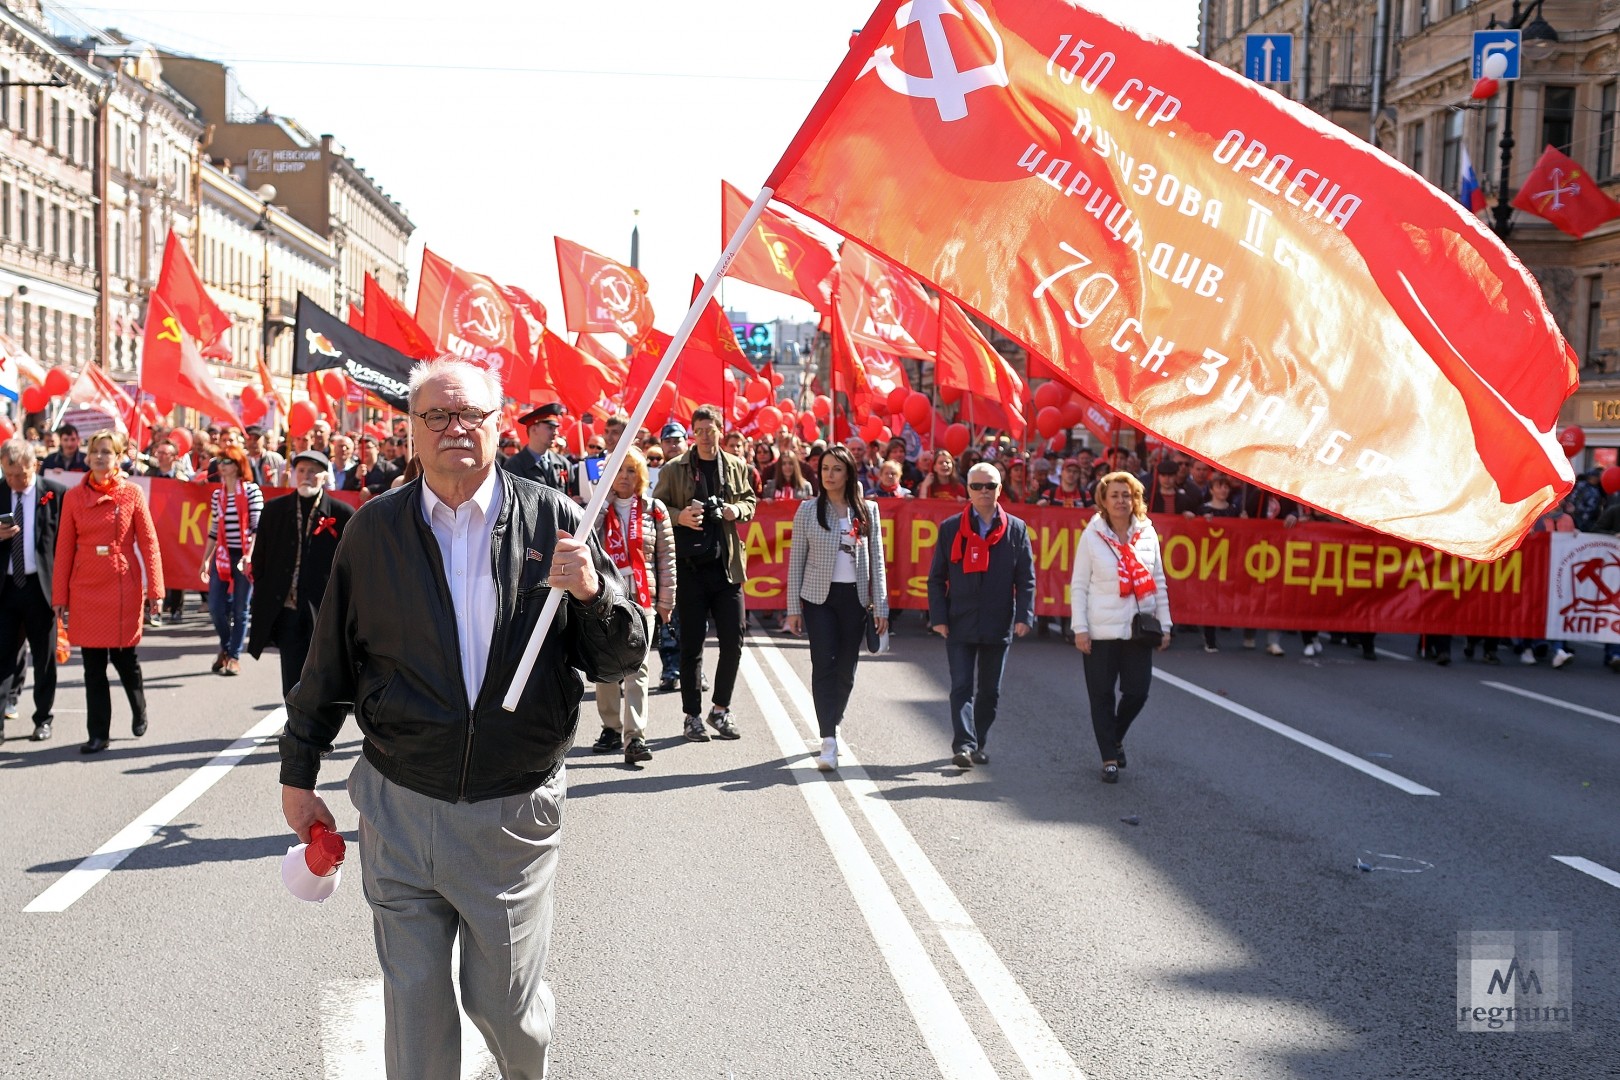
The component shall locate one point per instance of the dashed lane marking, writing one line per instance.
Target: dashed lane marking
(1545, 700)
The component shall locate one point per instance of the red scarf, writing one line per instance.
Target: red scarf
(972, 550)
(107, 487)
(628, 552)
(222, 554)
(1134, 579)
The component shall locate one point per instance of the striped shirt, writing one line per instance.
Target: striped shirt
(233, 537)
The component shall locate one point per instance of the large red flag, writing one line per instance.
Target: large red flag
(473, 316)
(713, 335)
(697, 379)
(1565, 194)
(778, 255)
(601, 296)
(1224, 267)
(592, 346)
(968, 362)
(385, 319)
(186, 297)
(172, 367)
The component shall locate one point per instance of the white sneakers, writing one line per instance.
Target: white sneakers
(1314, 649)
(1562, 657)
(1527, 656)
(1274, 649)
(827, 761)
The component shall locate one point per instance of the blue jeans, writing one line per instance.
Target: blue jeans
(973, 708)
(230, 612)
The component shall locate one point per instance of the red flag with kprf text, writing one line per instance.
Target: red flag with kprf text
(1225, 268)
(473, 316)
(1559, 190)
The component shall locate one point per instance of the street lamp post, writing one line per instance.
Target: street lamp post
(1537, 30)
(266, 192)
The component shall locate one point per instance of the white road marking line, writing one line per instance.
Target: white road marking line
(1544, 699)
(944, 1029)
(1342, 756)
(1587, 866)
(1392, 654)
(352, 1031)
(82, 878)
(1034, 1042)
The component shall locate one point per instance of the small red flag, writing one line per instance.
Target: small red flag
(968, 362)
(579, 379)
(713, 335)
(778, 255)
(386, 320)
(186, 297)
(1565, 194)
(172, 367)
(601, 296)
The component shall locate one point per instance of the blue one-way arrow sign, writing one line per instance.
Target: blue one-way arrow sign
(1269, 58)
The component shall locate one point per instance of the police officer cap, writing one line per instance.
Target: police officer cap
(546, 413)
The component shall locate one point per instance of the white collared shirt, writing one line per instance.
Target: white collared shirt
(26, 537)
(464, 544)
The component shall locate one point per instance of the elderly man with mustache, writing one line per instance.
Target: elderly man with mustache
(435, 590)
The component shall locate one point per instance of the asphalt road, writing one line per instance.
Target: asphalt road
(728, 912)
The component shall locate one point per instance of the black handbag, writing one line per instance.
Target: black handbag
(1145, 628)
(874, 640)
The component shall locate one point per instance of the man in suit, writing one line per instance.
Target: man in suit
(372, 475)
(343, 475)
(981, 593)
(537, 461)
(67, 454)
(28, 556)
(292, 558)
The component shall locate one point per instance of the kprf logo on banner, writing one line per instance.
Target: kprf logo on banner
(1583, 588)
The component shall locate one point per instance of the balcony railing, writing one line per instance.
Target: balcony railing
(1343, 97)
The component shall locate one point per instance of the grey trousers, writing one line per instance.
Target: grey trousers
(432, 870)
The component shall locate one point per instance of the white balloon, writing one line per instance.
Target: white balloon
(1494, 66)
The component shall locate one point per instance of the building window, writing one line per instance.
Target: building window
(1419, 136)
(90, 256)
(5, 210)
(22, 218)
(5, 98)
(27, 326)
(53, 136)
(72, 143)
(1605, 148)
(84, 137)
(39, 222)
(1558, 116)
(73, 237)
(1594, 318)
(1451, 152)
(56, 232)
(1460, 6)
(118, 248)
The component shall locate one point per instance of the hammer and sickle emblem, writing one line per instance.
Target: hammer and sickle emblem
(616, 293)
(947, 84)
(171, 330)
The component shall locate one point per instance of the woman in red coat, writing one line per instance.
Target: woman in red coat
(98, 580)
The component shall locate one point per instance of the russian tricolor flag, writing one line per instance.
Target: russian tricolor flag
(1471, 194)
(8, 377)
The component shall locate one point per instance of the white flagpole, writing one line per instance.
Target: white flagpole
(599, 496)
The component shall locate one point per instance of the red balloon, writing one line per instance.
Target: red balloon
(663, 406)
(785, 407)
(871, 429)
(1050, 395)
(809, 430)
(897, 399)
(949, 395)
(6, 430)
(917, 410)
(300, 418)
(181, 438)
(821, 407)
(1572, 439)
(1611, 479)
(1049, 421)
(758, 390)
(956, 438)
(252, 395)
(769, 419)
(884, 434)
(335, 385)
(57, 381)
(34, 399)
(1056, 443)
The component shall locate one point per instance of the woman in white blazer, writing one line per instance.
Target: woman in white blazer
(835, 572)
(1118, 573)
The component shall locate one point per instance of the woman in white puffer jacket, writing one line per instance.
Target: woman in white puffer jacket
(1118, 574)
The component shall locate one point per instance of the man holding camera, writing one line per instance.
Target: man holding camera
(711, 490)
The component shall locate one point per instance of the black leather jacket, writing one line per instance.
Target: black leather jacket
(385, 647)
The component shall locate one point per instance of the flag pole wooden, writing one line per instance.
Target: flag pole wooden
(593, 509)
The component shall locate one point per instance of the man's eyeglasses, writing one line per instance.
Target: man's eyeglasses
(596, 448)
(983, 485)
(439, 419)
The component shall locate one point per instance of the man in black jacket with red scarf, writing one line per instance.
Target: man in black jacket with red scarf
(981, 592)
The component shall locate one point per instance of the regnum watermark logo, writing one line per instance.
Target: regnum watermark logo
(1514, 980)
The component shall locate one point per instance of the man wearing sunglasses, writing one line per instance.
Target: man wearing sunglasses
(981, 593)
(433, 595)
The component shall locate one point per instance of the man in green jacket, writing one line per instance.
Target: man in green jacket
(709, 493)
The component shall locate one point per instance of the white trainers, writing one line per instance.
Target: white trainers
(1274, 649)
(1562, 657)
(827, 761)
(1313, 649)
(1528, 656)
